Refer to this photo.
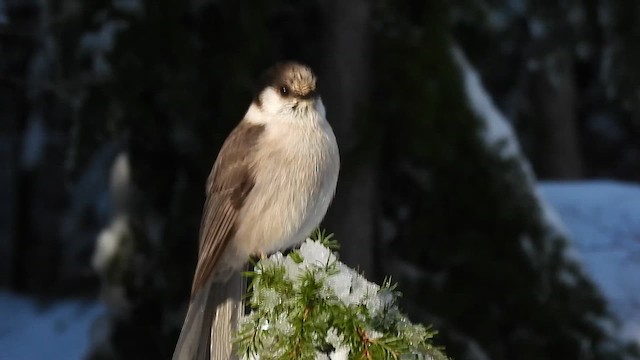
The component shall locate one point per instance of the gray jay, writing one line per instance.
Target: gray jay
(270, 186)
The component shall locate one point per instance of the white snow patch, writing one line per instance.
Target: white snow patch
(61, 330)
(603, 219)
(350, 287)
(315, 254)
(497, 128)
(120, 184)
(334, 339)
(109, 244)
(341, 353)
(497, 131)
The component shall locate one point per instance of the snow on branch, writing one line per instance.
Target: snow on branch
(309, 305)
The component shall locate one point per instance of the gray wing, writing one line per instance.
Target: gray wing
(228, 185)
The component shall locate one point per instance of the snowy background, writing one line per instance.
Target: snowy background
(61, 330)
(603, 218)
(112, 113)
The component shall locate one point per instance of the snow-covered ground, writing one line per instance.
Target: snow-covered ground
(59, 331)
(603, 220)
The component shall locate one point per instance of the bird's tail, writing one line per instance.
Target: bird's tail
(211, 322)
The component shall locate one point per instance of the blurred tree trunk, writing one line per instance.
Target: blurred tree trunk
(8, 188)
(352, 215)
(11, 103)
(552, 90)
(17, 47)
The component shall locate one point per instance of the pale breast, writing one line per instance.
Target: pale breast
(297, 181)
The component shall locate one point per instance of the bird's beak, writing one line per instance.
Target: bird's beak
(306, 99)
(311, 94)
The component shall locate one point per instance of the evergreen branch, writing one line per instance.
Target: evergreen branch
(308, 305)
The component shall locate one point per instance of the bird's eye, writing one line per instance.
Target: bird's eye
(284, 90)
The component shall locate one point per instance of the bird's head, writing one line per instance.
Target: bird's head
(288, 88)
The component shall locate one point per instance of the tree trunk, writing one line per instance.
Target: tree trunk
(17, 42)
(8, 190)
(352, 215)
(553, 94)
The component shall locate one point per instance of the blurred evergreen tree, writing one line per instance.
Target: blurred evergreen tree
(466, 217)
(165, 81)
(551, 63)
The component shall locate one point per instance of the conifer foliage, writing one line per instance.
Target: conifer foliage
(309, 305)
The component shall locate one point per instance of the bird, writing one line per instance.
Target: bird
(270, 186)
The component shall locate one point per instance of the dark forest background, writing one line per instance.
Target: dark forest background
(112, 113)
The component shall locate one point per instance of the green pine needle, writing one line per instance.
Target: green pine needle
(308, 305)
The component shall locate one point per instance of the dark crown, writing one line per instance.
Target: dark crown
(290, 79)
